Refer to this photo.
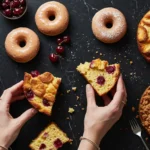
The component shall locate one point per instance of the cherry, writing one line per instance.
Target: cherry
(22, 2)
(7, 12)
(66, 39)
(101, 80)
(15, 4)
(7, 2)
(59, 41)
(60, 49)
(17, 11)
(35, 73)
(58, 143)
(110, 69)
(29, 94)
(45, 135)
(42, 147)
(53, 57)
(46, 102)
(4, 6)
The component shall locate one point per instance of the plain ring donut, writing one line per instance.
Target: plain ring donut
(109, 25)
(52, 18)
(22, 44)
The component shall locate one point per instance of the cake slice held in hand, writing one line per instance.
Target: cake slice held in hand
(41, 90)
(100, 75)
(52, 138)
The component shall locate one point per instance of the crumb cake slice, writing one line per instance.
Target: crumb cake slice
(52, 138)
(100, 75)
(144, 107)
(41, 90)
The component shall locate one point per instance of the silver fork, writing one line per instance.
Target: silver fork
(137, 131)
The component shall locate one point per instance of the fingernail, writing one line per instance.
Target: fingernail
(88, 87)
(34, 111)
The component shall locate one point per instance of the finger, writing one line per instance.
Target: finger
(90, 95)
(9, 93)
(26, 116)
(106, 99)
(16, 98)
(120, 93)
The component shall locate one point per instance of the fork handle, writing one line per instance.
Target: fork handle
(144, 143)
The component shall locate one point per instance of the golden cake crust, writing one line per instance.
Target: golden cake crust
(144, 107)
(44, 88)
(55, 132)
(91, 71)
(143, 36)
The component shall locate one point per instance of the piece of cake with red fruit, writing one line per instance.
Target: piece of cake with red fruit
(52, 138)
(100, 75)
(41, 90)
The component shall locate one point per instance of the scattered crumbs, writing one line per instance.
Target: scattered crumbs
(133, 109)
(137, 116)
(146, 138)
(115, 58)
(83, 108)
(70, 143)
(68, 91)
(78, 97)
(71, 110)
(76, 105)
(93, 57)
(96, 52)
(74, 88)
(131, 62)
(67, 118)
(101, 54)
(131, 74)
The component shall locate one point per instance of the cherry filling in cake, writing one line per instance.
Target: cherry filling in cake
(46, 102)
(45, 135)
(35, 73)
(110, 69)
(101, 80)
(42, 147)
(58, 143)
(29, 95)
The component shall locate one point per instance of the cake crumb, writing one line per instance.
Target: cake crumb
(83, 108)
(67, 118)
(93, 57)
(131, 62)
(68, 91)
(74, 88)
(78, 97)
(137, 116)
(96, 52)
(71, 110)
(101, 54)
(133, 109)
(131, 74)
(76, 105)
(146, 138)
(115, 58)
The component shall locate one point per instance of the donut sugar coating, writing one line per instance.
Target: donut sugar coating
(52, 18)
(22, 44)
(109, 25)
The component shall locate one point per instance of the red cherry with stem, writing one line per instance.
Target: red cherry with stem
(66, 39)
(7, 2)
(17, 11)
(59, 41)
(60, 49)
(22, 2)
(7, 12)
(53, 57)
(4, 6)
(15, 4)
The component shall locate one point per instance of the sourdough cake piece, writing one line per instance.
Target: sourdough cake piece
(144, 109)
(52, 138)
(100, 75)
(41, 90)
(143, 36)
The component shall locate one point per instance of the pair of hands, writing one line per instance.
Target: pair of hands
(98, 120)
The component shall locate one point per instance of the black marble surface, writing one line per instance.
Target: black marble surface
(83, 48)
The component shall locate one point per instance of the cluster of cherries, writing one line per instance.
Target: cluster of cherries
(13, 8)
(59, 49)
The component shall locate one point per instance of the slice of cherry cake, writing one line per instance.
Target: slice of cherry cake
(100, 75)
(52, 138)
(41, 90)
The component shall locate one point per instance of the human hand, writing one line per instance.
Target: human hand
(98, 120)
(9, 126)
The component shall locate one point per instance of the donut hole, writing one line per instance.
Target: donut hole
(109, 24)
(22, 43)
(52, 17)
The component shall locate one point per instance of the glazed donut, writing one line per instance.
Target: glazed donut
(52, 18)
(22, 44)
(109, 25)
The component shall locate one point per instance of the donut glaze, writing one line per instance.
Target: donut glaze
(52, 18)
(109, 16)
(28, 51)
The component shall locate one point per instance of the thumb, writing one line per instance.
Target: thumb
(26, 116)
